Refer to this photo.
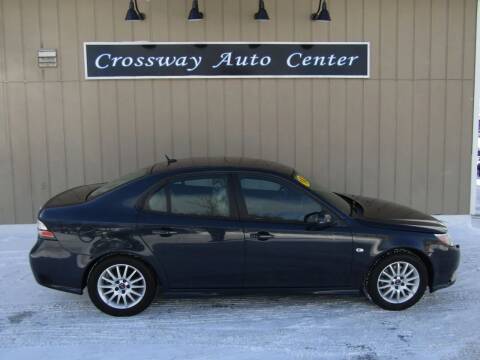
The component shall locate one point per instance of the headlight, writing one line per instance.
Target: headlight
(445, 239)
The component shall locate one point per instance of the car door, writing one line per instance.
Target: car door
(191, 225)
(281, 249)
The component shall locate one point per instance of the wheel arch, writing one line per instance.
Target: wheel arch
(406, 250)
(99, 259)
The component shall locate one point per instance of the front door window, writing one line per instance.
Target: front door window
(270, 200)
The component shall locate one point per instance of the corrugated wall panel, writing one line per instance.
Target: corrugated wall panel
(403, 135)
(354, 99)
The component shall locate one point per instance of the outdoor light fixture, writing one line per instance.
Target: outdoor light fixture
(322, 13)
(262, 14)
(133, 13)
(195, 14)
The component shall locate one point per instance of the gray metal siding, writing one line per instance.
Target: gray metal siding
(403, 135)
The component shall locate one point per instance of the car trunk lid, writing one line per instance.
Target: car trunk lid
(72, 196)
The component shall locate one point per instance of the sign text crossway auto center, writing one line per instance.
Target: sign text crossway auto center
(178, 60)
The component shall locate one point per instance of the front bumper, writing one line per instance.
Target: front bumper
(57, 268)
(445, 261)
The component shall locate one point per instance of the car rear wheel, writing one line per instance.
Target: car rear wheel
(398, 281)
(121, 286)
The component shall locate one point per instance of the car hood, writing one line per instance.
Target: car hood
(387, 213)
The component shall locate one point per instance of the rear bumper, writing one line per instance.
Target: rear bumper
(445, 261)
(57, 268)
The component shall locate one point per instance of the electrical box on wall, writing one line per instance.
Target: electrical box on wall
(47, 58)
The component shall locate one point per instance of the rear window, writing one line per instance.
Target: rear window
(119, 182)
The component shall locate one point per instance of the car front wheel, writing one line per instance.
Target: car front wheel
(398, 281)
(121, 286)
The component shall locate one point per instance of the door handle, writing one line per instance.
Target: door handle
(261, 235)
(164, 232)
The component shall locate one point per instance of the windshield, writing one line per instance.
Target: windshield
(119, 182)
(336, 200)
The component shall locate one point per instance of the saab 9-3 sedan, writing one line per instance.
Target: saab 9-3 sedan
(223, 225)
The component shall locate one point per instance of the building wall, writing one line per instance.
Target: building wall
(403, 135)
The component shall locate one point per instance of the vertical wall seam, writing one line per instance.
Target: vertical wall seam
(277, 85)
(345, 107)
(397, 100)
(444, 152)
(329, 113)
(224, 110)
(242, 100)
(379, 94)
(81, 99)
(412, 114)
(277, 121)
(413, 100)
(259, 99)
(294, 94)
(152, 103)
(462, 112)
(22, 40)
(429, 120)
(312, 114)
(362, 125)
(4, 42)
(27, 115)
(207, 102)
(62, 97)
(170, 87)
(206, 89)
(135, 123)
(7, 114)
(44, 99)
(189, 96)
(9, 131)
(47, 141)
(189, 115)
(117, 111)
(99, 98)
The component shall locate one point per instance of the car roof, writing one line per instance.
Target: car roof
(221, 163)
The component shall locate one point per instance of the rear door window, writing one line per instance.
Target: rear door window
(199, 196)
(203, 196)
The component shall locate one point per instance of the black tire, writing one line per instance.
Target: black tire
(371, 285)
(149, 292)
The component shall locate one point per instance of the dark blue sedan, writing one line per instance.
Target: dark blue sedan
(234, 225)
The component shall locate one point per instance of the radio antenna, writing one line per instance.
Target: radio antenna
(170, 161)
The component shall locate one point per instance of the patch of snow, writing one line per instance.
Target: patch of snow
(36, 322)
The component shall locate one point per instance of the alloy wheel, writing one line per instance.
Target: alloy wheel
(121, 286)
(398, 282)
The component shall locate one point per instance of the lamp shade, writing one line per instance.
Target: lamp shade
(132, 13)
(195, 13)
(322, 13)
(262, 13)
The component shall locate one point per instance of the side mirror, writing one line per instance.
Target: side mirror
(319, 219)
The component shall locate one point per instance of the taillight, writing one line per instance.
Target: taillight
(43, 231)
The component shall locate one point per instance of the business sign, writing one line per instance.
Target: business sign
(150, 60)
